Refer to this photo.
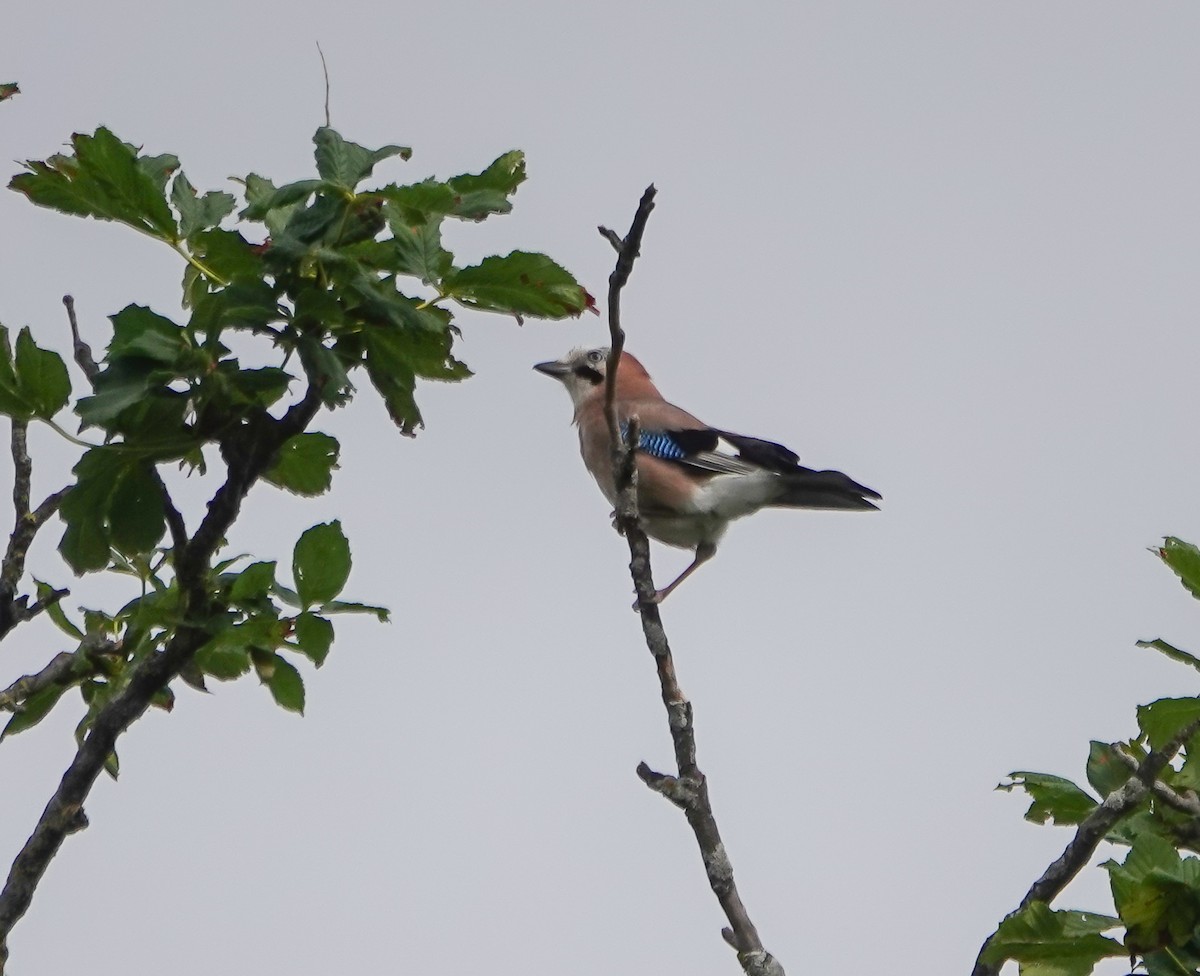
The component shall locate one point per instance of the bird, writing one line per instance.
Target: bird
(693, 479)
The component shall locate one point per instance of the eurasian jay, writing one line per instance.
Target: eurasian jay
(693, 480)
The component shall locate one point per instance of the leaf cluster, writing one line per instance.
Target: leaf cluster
(324, 280)
(1156, 888)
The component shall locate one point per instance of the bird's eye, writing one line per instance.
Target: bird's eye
(595, 356)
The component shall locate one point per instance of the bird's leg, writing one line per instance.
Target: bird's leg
(704, 552)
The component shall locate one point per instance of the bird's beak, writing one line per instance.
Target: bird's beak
(552, 368)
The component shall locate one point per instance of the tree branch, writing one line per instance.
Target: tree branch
(26, 523)
(57, 672)
(250, 453)
(689, 789)
(1118, 805)
(82, 351)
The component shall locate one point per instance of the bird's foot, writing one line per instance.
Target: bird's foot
(656, 599)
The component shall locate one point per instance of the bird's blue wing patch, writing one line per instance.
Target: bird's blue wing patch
(657, 443)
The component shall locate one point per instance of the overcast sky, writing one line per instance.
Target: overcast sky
(949, 248)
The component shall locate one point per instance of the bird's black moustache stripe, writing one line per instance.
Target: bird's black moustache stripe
(593, 376)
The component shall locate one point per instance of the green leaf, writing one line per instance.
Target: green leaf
(417, 250)
(382, 614)
(137, 512)
(85, 543)
(1054, 798)
(223, 662)
(419, 202)
(1184, 560)
(1105, 770)
(1047, 942)
(198, 213)
(35, 708)
(8, 89)
(1174, 653)
(55, 611)
(1157, 894)
(105, 179)
(321, 563)
(253, 583)
(142, 333)
(393, 377)
(227, 253)
(487, 193)
(125, 383)
(314, 637)
(344, 163)
(1162, 720)
(41, 377)
(286, 685)
(305, 464)
(12, 401)
(520, 283)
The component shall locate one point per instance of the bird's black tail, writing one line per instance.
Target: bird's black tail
(804, 488)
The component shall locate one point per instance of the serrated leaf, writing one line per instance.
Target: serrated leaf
(1105, 770)
(227, 253)
(105, 179)
(125, 383)
(1157, 894)
(345, 164)
(1067, 942)
(482, 194)
(253, 583)
(1054, 798)
(314, 637)
(223, 662)
(416, 203)
(286, 685)
(1162, 720)
(1184, 560)
(393, 377)
(305, 464)
(321, 563)
(35, 708)
(41, 377)
(521, 283)
(141, 332)
(416, 249)
(137, 512)
(85, 543)
(197, 213)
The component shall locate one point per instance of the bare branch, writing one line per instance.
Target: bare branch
(83, 352)
(325, 70)
(628, 249)
(1120, 803)
(688, 790)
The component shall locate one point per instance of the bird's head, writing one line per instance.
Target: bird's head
(582, 372)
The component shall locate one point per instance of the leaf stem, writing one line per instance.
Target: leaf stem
(199, 265)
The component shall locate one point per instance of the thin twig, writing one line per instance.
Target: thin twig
(1118, 805)
(628, 249)
(26, 523)
(83, 352)
(688, 789)
(325, 69)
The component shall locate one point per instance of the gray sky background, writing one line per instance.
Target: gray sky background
(949, 248)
